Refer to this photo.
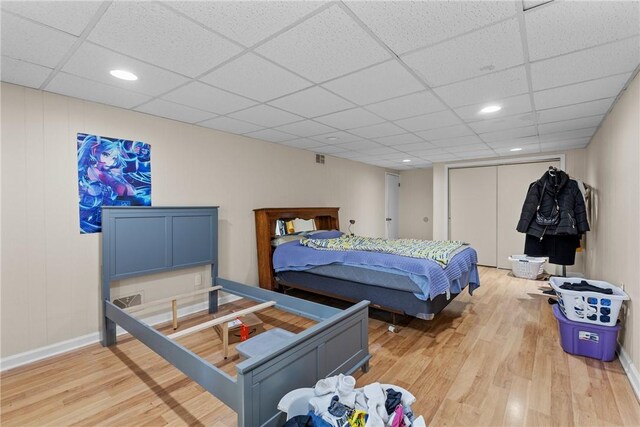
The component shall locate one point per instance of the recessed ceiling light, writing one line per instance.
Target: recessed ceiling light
(491, 109)
(516, 149)
(332, 138)
(406, 160)
(123, 75)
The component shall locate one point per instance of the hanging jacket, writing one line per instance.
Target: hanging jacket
(573, 213)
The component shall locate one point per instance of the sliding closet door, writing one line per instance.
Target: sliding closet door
(472, 210)
(513, 183)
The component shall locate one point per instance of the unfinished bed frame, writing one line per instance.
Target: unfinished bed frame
(138, 241)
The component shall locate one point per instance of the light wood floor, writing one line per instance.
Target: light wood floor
(488, 360)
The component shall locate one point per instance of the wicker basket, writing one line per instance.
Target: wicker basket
(527, 267)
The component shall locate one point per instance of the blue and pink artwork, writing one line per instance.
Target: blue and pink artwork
(111, 172)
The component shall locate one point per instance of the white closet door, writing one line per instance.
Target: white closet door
(472, 210)
(513, 183)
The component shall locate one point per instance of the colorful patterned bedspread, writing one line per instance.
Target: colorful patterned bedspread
(440, 251)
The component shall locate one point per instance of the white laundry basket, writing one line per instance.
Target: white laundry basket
(589, 307)
(527, 267)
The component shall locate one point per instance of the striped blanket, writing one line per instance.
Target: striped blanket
(440, 251)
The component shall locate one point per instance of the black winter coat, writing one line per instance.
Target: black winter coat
(573, 213)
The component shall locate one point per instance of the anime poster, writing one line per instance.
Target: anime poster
(111, 172)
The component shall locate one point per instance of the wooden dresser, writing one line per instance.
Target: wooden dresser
(325, 219)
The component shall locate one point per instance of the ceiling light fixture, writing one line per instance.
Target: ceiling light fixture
(491, 109)
(406, 161)
(332, 138)
(123, 75)
(516, 149)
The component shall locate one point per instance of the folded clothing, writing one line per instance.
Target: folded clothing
(585, 286)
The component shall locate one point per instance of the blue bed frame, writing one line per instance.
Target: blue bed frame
(146, 240)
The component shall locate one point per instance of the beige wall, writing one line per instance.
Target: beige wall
(416, 204)
(51, 273)
(612, 168)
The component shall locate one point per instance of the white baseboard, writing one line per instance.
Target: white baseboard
(631, 371)
(34, 355)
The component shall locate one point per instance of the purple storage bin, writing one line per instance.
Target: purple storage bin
(584, 339)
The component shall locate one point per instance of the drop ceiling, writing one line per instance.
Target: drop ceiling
(374, 82)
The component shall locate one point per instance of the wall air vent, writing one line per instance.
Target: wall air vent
(320, 158)
(128, 301)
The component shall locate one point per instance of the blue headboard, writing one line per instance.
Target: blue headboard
(144, 240)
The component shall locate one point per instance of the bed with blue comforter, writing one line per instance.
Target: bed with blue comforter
(417, 278)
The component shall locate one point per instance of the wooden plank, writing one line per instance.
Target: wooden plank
(222, 319)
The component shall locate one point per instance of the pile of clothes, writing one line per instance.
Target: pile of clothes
(335, 402)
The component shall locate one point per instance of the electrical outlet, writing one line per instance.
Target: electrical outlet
(198, 280)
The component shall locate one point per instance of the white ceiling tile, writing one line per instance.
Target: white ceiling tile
(155, 34)
(360, 145)
(477, 154)
(303, 143)
(607, 87)
(530, 4)
(255, 77)
(347, 154)
(421, 146)
(435, 151)
(23, 73)
(312, 102)
(458, 149)
(448, 132)
(429, 121)
(405, 138)
(481, 52)
(590, 22)
(527, 149)
(336, 137)
(565, 145)
(162, 108)
(490, 87)
(515, 142)
(510, 106)
(377, 151)
(404, 25)
(378, 131)
(329, 149)
(94, 62)
(408, 106)
(67, 84)
(203, 97)
(581, 123)
(271, 135)
(399, 157)
(246, 22)
(230, 125)
(26, 41)
(325, 46)
(509, 134)
(566, 135)
(69, 16)
(585, 109)
(306, 128)
(597, 62)
(377, 83)
(354, 118)
(265, 116)
(502, 123)
(453, 142)
(435, 158)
